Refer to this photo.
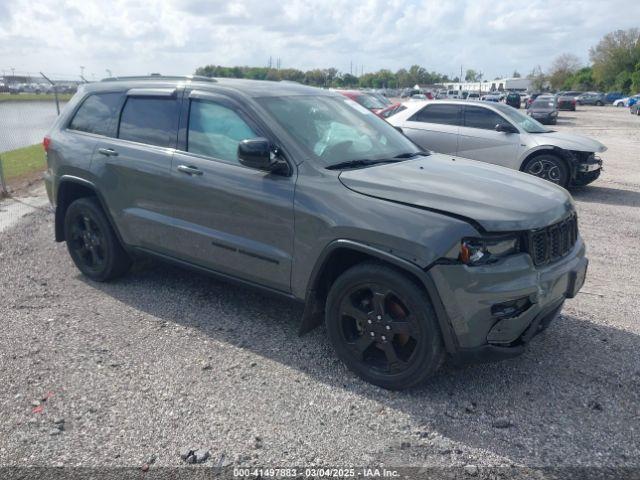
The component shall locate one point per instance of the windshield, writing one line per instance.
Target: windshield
(369, 101)
(525, 122)
(337, 129)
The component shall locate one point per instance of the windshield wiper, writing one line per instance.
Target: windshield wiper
(363, 162)
(413, 154)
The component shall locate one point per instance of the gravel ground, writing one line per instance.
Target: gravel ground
(105, 375)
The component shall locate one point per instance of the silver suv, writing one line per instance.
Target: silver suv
(499, 134)
(407, 257)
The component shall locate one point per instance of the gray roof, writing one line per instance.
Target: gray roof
(252, 88)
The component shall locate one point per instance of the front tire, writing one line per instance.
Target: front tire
(383, 326)
(92, 242)
(548, 167)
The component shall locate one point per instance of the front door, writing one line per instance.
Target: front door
(479, 139)
(232, 219)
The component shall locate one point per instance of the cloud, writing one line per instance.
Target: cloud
(176, 36)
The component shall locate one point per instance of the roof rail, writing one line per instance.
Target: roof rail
(157, 76)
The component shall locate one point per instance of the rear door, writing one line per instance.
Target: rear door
(134, 168)
(435, 127)
(480, 141)
(231, 218)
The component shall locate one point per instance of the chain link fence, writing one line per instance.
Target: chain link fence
(29, 104)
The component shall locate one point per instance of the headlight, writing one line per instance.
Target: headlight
(480, 251)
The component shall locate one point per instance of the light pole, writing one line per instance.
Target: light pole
(81, 71)
(108, 72)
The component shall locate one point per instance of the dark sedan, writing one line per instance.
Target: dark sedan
(567, 101)
(544, 109)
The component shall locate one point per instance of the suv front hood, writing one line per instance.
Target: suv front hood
(497, 198)
(569, 141)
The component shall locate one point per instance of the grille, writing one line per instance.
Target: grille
(551, 243)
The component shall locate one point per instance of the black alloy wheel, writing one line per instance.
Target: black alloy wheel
(87, 242)
(383, 327)
(92, 242)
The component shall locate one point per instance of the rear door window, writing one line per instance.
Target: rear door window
(438, 113)
(150, 120)
(97, 114)
(478, 117)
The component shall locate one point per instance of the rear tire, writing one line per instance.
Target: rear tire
(383, 326)
(92, 242)
(548, 167)
(599, 103)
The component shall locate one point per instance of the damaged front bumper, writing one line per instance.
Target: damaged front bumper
(591, 164)
(494, 310)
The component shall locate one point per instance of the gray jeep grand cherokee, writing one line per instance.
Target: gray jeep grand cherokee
(407, 257)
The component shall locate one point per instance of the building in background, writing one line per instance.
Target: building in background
(502, 84)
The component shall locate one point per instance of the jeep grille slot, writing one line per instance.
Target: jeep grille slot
(551, 243)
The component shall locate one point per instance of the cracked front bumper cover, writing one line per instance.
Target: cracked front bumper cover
(468, 295)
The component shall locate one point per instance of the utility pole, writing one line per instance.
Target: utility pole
(81, 71)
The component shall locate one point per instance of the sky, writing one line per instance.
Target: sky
(131, 37)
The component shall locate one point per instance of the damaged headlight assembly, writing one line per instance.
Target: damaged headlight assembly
(482, 251)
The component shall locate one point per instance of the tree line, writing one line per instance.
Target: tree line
(615, 65)
(331, 77)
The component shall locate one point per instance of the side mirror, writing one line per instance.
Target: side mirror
(255, 153)
(505, 128)
(399, 129)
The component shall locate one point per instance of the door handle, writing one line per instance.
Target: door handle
(108, 152)
(189, 170)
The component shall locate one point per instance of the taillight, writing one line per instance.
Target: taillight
(46, 142)
(573, 102)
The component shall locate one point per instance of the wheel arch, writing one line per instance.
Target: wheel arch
(558, 152)
(339, 256)
(70, 189)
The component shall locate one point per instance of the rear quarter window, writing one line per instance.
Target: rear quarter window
(97, 114)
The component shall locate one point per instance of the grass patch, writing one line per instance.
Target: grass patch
(22, 161)
(32, 97)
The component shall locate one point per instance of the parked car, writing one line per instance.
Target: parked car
(611, 97)
(493, 97)
(591, 98)
(473, 96)
(513, 99)
(383, 100)
(531, 98)
(626, 101)
(499, 134)
(391, 110)
(567, 100)
(635, 109)
(544, 110)
(306, 194)
(367, 100)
